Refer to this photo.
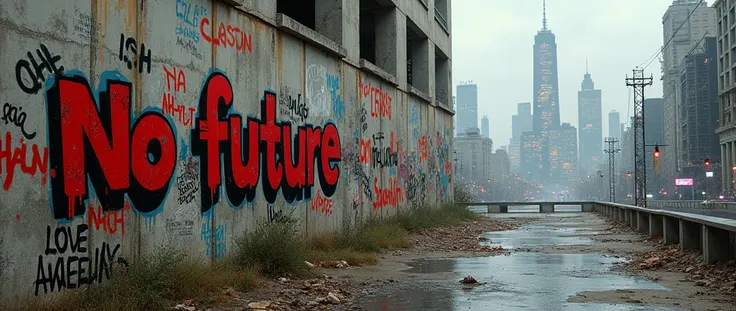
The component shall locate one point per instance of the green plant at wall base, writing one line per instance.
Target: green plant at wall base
(154, 282)
(276, 248)
(462, 193)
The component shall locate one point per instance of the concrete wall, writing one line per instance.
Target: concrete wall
(132, 125)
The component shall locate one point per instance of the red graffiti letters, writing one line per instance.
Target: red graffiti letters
(379, 101)
(227, 36)
(14, 156)
(321, 204)
(95, 140)
(109, 221)
(423, 148)
(265, 149)
(183, 114)
(365, 152)
(391, 196)
(177, 78)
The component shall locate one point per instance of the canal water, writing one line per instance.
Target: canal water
(519, 280)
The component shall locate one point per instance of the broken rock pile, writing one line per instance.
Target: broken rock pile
(464, 237)
(669, 258)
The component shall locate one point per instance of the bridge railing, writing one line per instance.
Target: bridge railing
(714, 236)
(690, 204)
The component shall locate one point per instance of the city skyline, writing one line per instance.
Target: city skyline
(578, 38)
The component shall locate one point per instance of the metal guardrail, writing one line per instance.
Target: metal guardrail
(710, 234)
(674, 204)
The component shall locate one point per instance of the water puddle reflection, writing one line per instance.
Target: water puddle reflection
(519, 281)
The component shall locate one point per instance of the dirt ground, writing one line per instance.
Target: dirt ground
(348, 284)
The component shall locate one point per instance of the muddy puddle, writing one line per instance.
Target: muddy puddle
(516, 280)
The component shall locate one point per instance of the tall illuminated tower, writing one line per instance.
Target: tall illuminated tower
(546, 108)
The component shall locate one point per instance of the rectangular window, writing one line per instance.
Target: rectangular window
(324, 17)
(377, 20)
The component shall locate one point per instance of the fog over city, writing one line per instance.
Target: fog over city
(493, 47)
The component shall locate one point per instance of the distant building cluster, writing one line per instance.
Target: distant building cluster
(693, 124)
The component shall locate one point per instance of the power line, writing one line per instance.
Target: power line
(673, 35)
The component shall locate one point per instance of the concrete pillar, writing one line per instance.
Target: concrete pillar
(546, 208)
(642, 221)
(716, 245)
(690, 235)
(671, 230)
(492, 209)
(391, 42)
(655, 225)
(625, 213)
(633, 219)
(587, 207)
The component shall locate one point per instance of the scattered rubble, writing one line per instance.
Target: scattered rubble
(468, 280)
(339, 264)
(463, 238)
(721, 276)
(259, 305)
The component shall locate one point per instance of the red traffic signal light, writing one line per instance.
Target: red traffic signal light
(706, 162)
(656, 151)
(733, 168)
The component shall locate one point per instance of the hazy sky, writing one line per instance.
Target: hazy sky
(493, 46)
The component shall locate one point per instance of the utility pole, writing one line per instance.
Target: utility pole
(611, 150)
(638, 82)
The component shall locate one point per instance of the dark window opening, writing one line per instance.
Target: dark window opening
(301, 11)
(368, 11)
(417, 57)
(441, 77)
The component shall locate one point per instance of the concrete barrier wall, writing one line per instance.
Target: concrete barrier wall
(129, 127)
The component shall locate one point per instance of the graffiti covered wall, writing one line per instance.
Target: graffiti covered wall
(127, 128)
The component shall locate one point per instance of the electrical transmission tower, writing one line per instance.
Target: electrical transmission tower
(611, 150)
(638, 82)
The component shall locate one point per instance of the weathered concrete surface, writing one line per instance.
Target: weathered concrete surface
(134, 125)
(557, 261)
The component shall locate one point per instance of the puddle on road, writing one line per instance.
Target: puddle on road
(537, 236)
(516, 281)
(519, 281)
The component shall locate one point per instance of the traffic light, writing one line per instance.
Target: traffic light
(733, 168)
(656, 151)
(706, 162)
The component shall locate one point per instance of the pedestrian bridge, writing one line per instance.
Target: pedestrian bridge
(714, 236)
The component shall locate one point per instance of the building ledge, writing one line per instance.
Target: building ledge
(289, 25)
(445, 108)
(370, 67)
(725, 128)
(419, 93)
(424, 3)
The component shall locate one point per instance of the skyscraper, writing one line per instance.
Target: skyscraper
(546, 95)
(654, 128)
(530, 154)
(520, 123)
(467, 107)
(590, 124)
(563, 152)
(484, 127)
(699, 115)
(701, 22)
(614, 124)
